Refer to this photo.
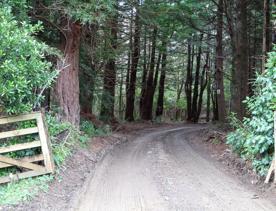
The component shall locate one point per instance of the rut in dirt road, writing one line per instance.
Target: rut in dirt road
(161, 171)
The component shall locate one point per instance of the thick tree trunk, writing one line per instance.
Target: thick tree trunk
(129, 51)
(203, 84)
(147, 104)
(160, 100)
(219, 65)
(215, 106)
(208, 99)
(145, 73)
(108, 95)
(133, 71)
(66, 93)
(188, 82)
(240, 73)
(196, 82)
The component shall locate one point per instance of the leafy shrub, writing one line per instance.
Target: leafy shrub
(253, 137)
(63, 137)
(90, 130)
(24, 71)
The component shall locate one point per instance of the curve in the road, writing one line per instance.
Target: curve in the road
(159, 170)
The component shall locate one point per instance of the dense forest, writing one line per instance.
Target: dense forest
(129, 60)
(93, 65)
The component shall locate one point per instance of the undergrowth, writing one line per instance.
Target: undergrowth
(253, 137)
(64, 138)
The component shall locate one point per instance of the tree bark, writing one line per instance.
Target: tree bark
(196, 82)
(208, 99)
(188, 82)
(145, 73)
(66, 91)
(156, 75)
(219, 65)
(160, 100)
(129, 116)
(203, 84)
(240, 53)
(148, 100)
(129, 51)
(121, 110)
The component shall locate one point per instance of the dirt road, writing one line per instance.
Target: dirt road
(160, 170)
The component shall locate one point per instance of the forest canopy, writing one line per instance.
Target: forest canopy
(112, 61)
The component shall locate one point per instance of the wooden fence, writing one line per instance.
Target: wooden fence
(28, 164)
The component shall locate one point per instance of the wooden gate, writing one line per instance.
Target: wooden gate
(29, 165)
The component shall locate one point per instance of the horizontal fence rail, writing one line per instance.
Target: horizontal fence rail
(27, 163)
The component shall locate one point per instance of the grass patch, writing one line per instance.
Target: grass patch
(23, 190)
(63, 138)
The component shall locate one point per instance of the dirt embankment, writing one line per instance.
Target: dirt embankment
(213, 141)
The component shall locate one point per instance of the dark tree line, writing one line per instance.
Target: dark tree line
(124, 64)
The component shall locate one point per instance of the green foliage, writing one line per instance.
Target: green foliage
(89, 11)
(63, 137)
(55, 127)
(23, 190)
(24, 72)
(253, 137)
(273, 104)
(90, 130)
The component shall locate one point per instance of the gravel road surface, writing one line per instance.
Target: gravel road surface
(160, 170)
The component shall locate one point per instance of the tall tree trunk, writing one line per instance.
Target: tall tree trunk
(148, 101)
(129, 51)
(156, 75)
(240, 73)
(66, 93)
(108, 96)
(188, 82)
(160, 99)
(208, 99)
(133, 71)
(266, 32)
(203, 84)
(121, 110)
(215, 105)
(145, 73)
(219, 65)
(196, 81)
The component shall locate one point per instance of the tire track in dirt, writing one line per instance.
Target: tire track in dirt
(159, 171)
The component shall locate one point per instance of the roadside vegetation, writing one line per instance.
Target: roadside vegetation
(253, 136)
